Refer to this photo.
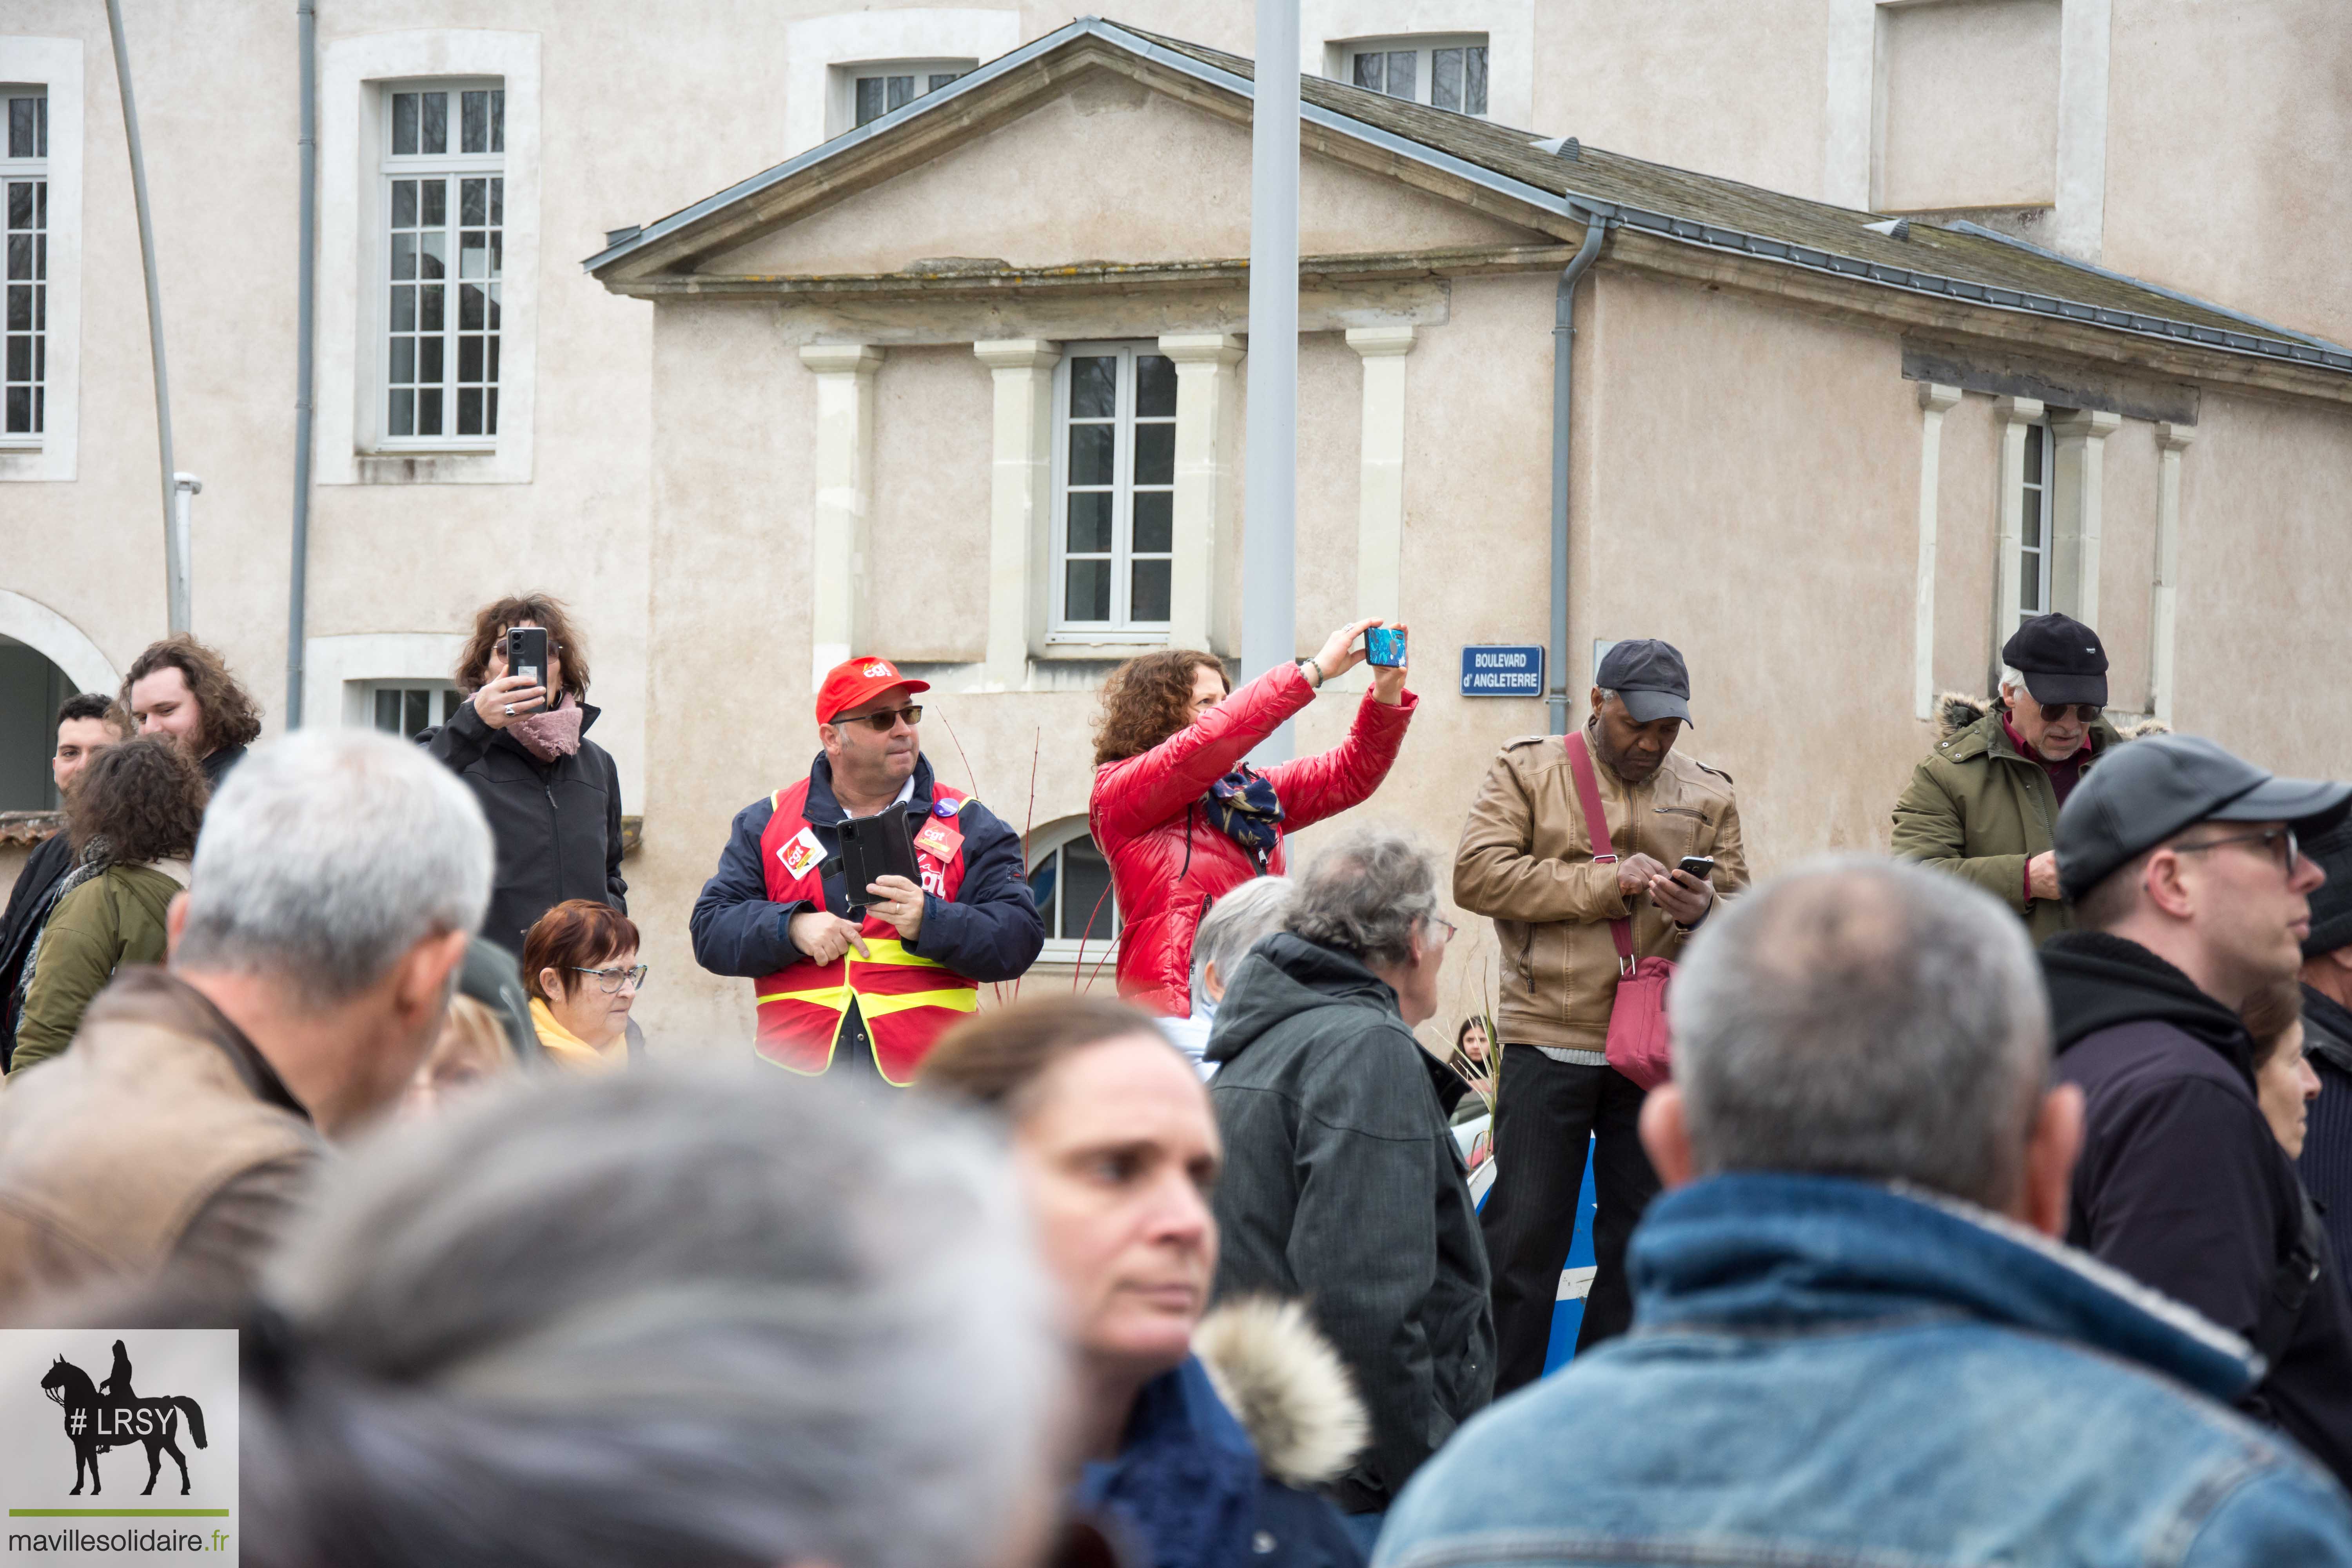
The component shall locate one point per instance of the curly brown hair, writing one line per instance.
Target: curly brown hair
(145, 797)
(1146, 699)
(490, 624)
(230, 716)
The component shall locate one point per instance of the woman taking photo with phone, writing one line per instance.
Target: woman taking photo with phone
(1183, 819)
(552, 795)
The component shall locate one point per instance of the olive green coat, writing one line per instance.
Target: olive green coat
(115, 918)
(1979, 808)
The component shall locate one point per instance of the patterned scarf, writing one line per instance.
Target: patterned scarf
(1243, 807)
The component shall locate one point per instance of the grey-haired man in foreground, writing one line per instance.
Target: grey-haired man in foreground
(335, 882)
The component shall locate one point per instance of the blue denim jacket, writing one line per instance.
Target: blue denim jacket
(1827, 1373)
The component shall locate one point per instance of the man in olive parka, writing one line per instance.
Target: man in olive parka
(1984, 803)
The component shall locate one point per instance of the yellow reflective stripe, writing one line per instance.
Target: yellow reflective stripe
(963, 999)
(833, 997)
(890, 949)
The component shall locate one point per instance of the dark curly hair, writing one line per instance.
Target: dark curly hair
(231, 718)
(490, 624)
(145, 797)
(1146, 699)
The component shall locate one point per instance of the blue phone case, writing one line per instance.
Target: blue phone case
(1384, 646)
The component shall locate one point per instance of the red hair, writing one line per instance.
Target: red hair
(578, 934)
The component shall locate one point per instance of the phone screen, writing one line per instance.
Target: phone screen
(1384, 647)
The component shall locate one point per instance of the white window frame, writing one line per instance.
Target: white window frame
(1044, 843)
(841, 88)
(2034, 560)
(817, 109)
(442, 705)
(54, 66)
(356, 74)
(1423, 46)
(451, 167)
(1122, 628)
(30, 173)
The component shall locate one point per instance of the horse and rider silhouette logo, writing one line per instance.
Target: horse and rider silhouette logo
(112, 1416)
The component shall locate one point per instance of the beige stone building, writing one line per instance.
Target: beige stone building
(959, 376)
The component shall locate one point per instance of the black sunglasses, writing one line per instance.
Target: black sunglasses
(2088, 712)
(882, 723)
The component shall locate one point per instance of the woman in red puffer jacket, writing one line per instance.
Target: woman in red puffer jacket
(1184, 821)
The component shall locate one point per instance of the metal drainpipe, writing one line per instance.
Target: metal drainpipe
(179, 611)
(1563, 385)
(306, 291)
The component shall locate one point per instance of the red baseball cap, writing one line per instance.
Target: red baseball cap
(857, 680)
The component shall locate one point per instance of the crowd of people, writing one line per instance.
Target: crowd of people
(1990, 1204)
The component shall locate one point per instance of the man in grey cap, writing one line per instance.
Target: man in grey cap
(2192, 893)
(1527, 861)
(1984, 803)
(2325, 1163)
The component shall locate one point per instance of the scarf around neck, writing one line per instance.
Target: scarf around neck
(1243, 807)
(551, 733)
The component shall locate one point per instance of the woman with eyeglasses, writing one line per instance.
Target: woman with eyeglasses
(552, 795)
(579, 963)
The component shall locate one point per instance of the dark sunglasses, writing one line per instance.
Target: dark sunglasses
(2269, 838)
(2088, 712)
(882, 723)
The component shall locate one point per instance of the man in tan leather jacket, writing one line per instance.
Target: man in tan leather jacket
(335, 882)
(1526, 861)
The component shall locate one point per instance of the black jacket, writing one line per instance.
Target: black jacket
(2325, 1165)
(557, 825)
(1343, 1186)
(216, 765)
(990, 930)
(2183, 1187)
(28, 905)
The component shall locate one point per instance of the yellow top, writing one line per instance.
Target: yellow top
(568, 1050)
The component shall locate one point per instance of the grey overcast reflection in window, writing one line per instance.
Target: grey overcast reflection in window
(2033, 552)
(1071, 884)
(24, 188)
(1119, 506)
(446, 232)
(406, 711)
(1456, 76)
(878, 95)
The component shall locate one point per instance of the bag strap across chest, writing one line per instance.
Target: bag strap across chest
(1596, 829)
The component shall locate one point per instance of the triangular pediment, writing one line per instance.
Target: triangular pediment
(1085, 152)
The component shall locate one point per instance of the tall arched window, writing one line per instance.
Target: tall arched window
(1071, 883)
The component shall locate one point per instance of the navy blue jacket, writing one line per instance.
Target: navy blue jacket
(991, 931)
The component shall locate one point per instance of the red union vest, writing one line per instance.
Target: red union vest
(905, 998)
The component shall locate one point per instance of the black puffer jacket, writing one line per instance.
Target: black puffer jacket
(2182, 1185)
(1343, 1186)
(557, 825)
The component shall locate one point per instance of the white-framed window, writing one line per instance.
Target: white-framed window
(443, 261)
(1114, 491)
(407, 708)
(1071, 883)
(2033, 523)
(1442, 70)
(878, 87)
(25, 275)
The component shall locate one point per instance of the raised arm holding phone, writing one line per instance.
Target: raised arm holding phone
(1183, 819)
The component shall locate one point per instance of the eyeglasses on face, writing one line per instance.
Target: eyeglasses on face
(1448, 927)
(610, 981)
(883, 723)
(2088, 712)
(2270, 838)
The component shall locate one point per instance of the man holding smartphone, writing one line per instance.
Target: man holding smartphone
(1527, 861)
(866, 977)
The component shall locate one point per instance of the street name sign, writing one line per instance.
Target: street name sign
(1503, 669)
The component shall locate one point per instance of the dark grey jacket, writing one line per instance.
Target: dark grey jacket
(1343, 1186)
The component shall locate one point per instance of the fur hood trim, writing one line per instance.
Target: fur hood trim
(1956, 711)
(1287, 1387)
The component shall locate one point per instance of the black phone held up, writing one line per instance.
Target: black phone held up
(873, 847)
(1699, 865)
(527, 655)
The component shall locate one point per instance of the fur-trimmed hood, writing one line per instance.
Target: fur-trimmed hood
(1956, 711)
(1287, 1387)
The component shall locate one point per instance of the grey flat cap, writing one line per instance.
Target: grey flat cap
(2149, 790)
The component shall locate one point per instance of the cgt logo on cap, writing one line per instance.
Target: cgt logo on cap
(878, 670)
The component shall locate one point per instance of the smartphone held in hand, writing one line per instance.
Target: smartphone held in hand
(526, 654)
(1384, 647)
(1699, 865)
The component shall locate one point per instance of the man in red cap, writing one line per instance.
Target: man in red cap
(866, 977)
